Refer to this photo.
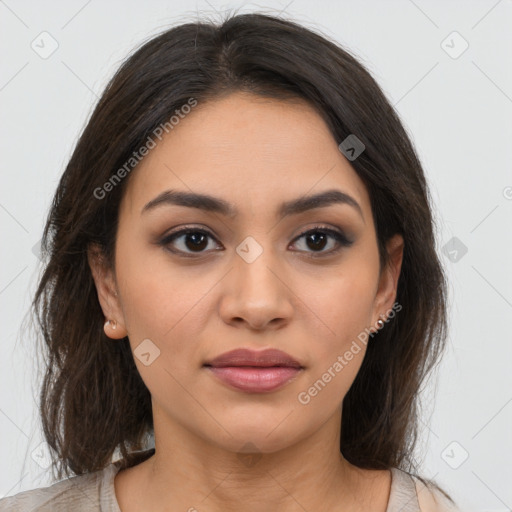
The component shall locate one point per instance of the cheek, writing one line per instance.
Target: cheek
(344, 304)
(163, 305)
(154, 296)
(160, 307)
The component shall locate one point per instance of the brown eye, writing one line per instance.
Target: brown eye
(188, 241)
(318, 238)
(317, 242)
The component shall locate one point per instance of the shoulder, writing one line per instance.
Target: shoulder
(78, 493)
(432, 499)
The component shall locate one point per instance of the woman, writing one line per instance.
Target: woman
(241, 263)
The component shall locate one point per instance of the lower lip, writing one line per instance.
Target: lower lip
(255, 379)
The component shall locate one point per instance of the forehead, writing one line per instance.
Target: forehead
(254, 152)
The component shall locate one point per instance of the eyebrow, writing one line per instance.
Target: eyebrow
(217, 205)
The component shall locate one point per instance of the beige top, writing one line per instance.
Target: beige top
(94, 492)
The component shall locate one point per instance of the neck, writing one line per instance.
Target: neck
(192, 474)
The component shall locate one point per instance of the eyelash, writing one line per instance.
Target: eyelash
(338, 236)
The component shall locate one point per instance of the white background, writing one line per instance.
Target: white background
(458, 112)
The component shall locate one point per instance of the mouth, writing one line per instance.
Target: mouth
(254, 372)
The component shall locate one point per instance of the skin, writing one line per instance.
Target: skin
(254, 153)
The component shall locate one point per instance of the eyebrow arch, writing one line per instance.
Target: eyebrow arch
(217, 205)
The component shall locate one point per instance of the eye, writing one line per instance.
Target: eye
(193, 239)
(318, 237)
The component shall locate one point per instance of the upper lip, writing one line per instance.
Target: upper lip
(248, 357)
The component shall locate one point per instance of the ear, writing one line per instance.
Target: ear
(106, 288)
(388, 281)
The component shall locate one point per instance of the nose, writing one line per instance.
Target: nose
(256, 294)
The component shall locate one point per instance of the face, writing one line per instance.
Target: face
(306, 282)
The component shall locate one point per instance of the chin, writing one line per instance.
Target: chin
(262, 435)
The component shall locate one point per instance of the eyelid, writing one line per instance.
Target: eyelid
(337, 234)
(183, 230)
(325, 229)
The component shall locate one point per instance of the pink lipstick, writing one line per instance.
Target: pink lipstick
(255, 372)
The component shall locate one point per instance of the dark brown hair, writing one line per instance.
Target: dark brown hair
(93, 400)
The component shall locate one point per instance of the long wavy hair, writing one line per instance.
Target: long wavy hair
(93, 401)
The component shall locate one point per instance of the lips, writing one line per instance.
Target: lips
(254, 372)
(246, 357)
